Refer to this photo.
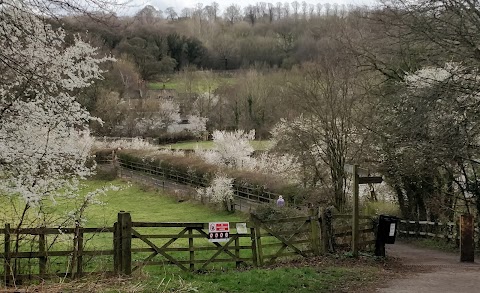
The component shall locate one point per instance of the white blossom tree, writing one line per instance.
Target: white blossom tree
(430, 142)
(44, 138)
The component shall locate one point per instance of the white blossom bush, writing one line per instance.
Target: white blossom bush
(285, 166)
(43, 129)
(148, 117)
(220, 190)
(231, 149)
(196, 125)
(135, 143)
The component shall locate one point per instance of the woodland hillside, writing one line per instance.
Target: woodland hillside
(393, 87)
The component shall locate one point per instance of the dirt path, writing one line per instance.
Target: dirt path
(436, 272)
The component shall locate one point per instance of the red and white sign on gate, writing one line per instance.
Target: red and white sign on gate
(218, 231)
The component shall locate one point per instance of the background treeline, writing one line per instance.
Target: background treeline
(265, 35)
(259, 51)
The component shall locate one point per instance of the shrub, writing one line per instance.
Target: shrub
(267, 212)
(375, 208)
(169, 138)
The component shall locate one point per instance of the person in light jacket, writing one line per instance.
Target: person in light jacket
(280, 201)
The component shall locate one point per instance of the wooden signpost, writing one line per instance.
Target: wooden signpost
(357, 180)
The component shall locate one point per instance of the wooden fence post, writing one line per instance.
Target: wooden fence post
(457, 233)
(315, 235)
(323, 232)
(467, 251)
(191, 249)
(79, 271)
(7, 268)
(258, 239)
(42, 263)
(125, 228)
(254, 246)
(446, 231)
(237, 251)
(117, 265)
(355, 215)
(326, 230)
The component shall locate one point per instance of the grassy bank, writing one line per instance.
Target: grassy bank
(316, 276)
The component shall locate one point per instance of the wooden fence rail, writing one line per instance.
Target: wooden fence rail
(441, 230)
(135, 245)
(342, 231)
(256, 195)
(14, 250)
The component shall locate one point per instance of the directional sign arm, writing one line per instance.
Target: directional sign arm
(373, 179)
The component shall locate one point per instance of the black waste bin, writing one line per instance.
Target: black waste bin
(387, 229)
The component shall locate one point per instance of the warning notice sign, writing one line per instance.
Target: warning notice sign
(218, 231)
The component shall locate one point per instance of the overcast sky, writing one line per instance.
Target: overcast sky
(136, 5)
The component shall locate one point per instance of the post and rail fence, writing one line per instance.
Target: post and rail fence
(244, 196)
(449, 231)
(128, 246)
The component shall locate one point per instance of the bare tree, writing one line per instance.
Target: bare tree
(328, 8)
(286, 10)
(326, 135)
(148, 14)
(251, 14)
(278, 9)
(186, 12)
(171, 14)
(232, 13)
(271, 12)
(304, 9)
(311, 10)
(210, 13)
(295, 8)
(319, 9)
(261, 9)
(215, 10)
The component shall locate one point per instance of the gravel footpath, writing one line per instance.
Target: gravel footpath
(437, 271)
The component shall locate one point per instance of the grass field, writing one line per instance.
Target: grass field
(149, 205)
(198, 84)
(259, 145)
